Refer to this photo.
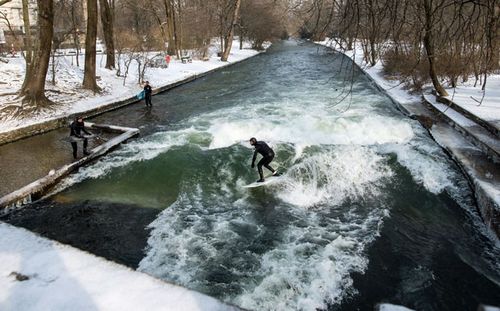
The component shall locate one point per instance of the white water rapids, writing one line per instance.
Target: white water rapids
(294, 244)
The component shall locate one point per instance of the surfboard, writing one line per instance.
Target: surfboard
(267, 180)
(141, 95)
(72, 139)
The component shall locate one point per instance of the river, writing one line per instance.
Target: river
(368, 209)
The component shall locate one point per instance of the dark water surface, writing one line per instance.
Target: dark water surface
(368, 209)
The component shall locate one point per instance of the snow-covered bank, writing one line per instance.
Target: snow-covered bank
(40, 274)
(71, 99)
(483, 104)
(479, 166)
(394, 88)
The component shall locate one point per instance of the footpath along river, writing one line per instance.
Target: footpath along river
(369, 208)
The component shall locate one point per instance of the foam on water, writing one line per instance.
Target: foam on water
(333, 176)
(137, 150)
(307, 266)
(428, 164)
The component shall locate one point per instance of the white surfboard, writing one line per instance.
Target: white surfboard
(268, 180)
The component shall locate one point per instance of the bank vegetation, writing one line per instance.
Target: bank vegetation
(442, 42)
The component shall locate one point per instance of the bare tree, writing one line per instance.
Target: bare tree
(228, 38)
(260, 21)
(107, 18)
(28, 44)
(89, 76)
(33, 89)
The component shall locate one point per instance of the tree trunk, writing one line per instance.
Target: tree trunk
(2, 2)
(76, 39)
(373, 33)
(108, 31)
(33, 90)
(429, 48)
(162, 30)
(178, 33)
(169, 12)
(89, 77)
(28, 44)
(229, 37)
(176, 30)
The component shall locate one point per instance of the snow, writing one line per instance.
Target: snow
(61, 277)
(457, 117)
(469, 98)
(71, 99)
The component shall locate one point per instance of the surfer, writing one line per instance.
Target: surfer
(77, 127)
(267, 156)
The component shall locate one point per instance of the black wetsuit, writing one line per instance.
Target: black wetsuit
(267, 154)
(76, 129)
(148, 92)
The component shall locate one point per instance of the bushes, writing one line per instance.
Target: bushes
(409, 67)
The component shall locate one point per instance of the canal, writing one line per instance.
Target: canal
(368, 208)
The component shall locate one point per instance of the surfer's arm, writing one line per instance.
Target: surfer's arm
(254, 157)
(85, 131)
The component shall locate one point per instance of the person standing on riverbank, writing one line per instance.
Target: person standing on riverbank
(267, 156)
(76, 129)
(148, 93)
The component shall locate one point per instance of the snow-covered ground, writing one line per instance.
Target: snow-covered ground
(40, 274)
(71, 99)
(471, 99)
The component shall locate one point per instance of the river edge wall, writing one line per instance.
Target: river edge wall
(487, 202)
(53, 124)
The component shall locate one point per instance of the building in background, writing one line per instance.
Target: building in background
(12, 30)
(11, 16)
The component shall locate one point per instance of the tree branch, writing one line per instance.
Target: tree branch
(2, 2)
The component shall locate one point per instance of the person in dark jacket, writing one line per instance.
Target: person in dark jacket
(76, 129)
(267, 156)
(148, 93)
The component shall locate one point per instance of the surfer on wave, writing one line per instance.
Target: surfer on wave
(267, 156)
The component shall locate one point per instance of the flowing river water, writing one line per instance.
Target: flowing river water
(369, 208)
